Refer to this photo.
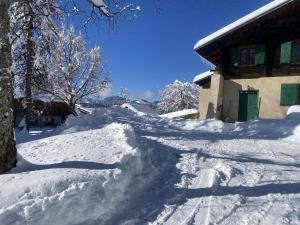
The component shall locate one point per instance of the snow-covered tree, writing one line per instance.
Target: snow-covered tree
(73, 71)
(99, 8)
(178, 96)
(8, 152)
(124, 93)
(31, 21)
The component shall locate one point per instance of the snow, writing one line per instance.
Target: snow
(140, 108)
(47, 98)
(293, 109)
(87, 172)
(101, 5)
(243, 21)
(84, 110)
(181, 113)
(202, 76)
(202, 125)
(116, 167)
(40, 97)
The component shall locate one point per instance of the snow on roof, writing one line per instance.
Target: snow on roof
(182, 113)
(40, 97)
(84, 110)
(47, 98)
(202, 76)
(243, 21)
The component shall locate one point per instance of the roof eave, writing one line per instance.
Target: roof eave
(241, 23)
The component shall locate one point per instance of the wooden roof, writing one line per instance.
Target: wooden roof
(280, 21)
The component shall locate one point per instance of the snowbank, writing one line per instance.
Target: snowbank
(182, 113)
(77, 178)
(293, 109)
(96, 120)
(273, 128)
(293, 118)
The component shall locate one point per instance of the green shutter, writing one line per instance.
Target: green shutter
(260, 54)
(289, 94)
(286, 51)
(233, 57)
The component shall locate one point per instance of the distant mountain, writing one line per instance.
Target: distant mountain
(113, 100)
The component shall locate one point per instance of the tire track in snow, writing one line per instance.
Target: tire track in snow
(220, 172)
(191, 218)
(170, 213)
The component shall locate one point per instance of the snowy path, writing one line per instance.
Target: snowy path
(247, 176)
(189, 172)
(239, 190)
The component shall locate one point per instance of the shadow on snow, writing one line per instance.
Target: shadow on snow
(24, 166)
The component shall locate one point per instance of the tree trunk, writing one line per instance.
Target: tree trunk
(29, 65)
(72, 107)
(8, 151)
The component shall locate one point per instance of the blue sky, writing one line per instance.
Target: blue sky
(156, 48)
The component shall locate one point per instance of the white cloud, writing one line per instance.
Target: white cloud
(107, 92)
(148, 95)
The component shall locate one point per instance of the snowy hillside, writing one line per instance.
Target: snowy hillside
(140, 108)
(116, 167)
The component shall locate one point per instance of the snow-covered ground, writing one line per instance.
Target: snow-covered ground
(115, 167)
(76, 178)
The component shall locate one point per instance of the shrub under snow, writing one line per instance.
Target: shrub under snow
(178, 96)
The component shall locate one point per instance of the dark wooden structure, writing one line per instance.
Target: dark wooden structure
(52, 113)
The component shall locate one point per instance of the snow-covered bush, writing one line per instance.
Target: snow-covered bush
(177, 96)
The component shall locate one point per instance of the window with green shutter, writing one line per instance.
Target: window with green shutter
(247, 55)
(285, 54)
(289, 94)
(260, 54)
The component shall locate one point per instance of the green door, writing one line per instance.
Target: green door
(248, 105)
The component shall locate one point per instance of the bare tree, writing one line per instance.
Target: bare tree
(8, 152)
(73, 71)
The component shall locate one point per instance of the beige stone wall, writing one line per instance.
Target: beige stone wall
(215, 104)
(203, 103)
(269, 94)
(210, 100)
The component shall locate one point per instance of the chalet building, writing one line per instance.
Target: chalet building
(257, 65)
(46, 111)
